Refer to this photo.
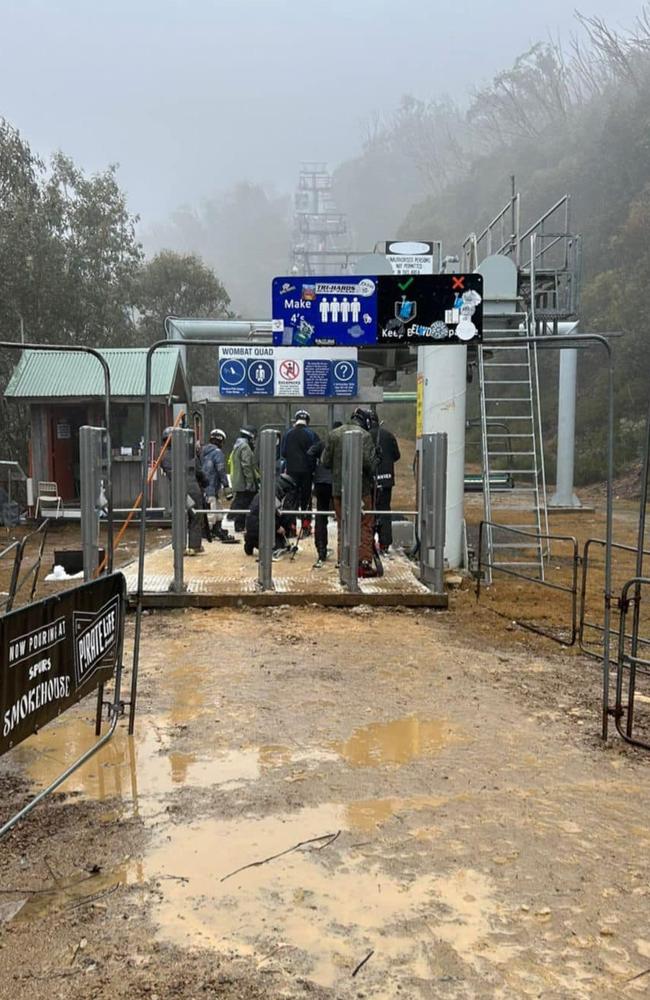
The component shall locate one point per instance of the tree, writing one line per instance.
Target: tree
(68, 260)
(89, 276)
(173, 284)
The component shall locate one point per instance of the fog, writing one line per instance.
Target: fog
(191, 97)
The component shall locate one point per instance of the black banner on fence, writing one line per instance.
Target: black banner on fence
(57, 651)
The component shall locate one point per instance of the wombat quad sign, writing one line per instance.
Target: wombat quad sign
(385, 309)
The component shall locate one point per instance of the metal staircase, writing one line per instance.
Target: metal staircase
(511, 445)
(547, 259)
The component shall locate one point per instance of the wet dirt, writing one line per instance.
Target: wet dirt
(307, 789)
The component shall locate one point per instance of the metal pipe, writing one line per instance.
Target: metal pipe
(433, 493)
(566, 421)
(180, 445)
(89, 465)
(257, 331)
(439, 510)
(351, 508)
(640, 552)
(267, 445)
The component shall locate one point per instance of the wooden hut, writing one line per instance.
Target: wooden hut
(66, 391)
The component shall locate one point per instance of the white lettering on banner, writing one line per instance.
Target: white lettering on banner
(36, 641)
(42, 667)
(49, 690)
(97, 639)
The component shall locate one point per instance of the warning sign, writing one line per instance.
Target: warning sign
(289, 377)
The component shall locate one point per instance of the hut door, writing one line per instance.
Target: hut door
(62, 454)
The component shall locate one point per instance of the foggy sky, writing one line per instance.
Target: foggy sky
(190, 97)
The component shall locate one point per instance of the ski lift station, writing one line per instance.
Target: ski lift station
(469, 326)
(529, 284)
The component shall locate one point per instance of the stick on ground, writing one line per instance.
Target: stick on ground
(328, 837)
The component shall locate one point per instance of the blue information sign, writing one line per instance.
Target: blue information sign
(261, 376)
(233, 377)
(344, 378)
(324, 312)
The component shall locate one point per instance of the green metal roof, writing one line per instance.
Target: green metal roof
(58, 375)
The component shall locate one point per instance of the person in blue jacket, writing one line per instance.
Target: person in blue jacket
(213, 462)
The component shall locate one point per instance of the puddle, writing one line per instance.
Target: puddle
(370, 813)
(396, 742)
(315, 912)
(138, 770)
(71, 894)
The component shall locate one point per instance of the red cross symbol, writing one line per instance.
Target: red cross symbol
(458, 284)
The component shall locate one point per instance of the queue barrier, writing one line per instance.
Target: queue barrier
(20, 577)
(58, 651)
(585, 625)
(629, 663)
(566, 636)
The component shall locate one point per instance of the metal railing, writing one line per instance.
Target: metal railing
(566, 636)
(585, 625)
(629, 663)
(19, 577)
(31, 572)
(16, 548)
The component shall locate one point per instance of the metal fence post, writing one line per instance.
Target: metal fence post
(266, 452)
(180, 444)
(433, 499)
(351, 508)
(91, 440)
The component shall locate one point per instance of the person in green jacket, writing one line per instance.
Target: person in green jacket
(332, 458)
(244, 474)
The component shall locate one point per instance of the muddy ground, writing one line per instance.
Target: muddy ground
(340, 804)
(460, 824)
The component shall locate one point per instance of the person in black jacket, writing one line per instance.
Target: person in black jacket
(299, 463)
(389, 453)
(323, 493)
(285, 499)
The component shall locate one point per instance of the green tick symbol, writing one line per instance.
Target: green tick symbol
(404, 284)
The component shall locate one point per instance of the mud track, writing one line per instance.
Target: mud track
(461, 826)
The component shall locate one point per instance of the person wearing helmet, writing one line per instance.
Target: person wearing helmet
(299, 463)
(244, 474)
(323, 494)
(213, 462)
(195, 486)
(388, 454)
(285, 499)
(332, 458)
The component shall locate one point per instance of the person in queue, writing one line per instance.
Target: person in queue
(299, 463)
(195, 486)
(332, 458)
(388, 454)
(285, 499)
(323, 494)
(213, 462)
(244, 474)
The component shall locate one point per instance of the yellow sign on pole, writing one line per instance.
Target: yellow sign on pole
(419, 406)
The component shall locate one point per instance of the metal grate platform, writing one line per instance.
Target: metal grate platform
(224, 576)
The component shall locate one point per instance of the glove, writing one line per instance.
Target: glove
(229, 494)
